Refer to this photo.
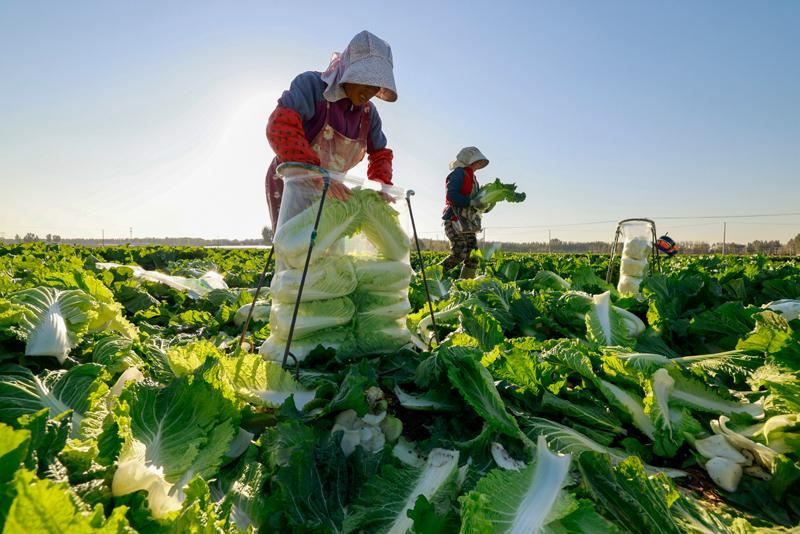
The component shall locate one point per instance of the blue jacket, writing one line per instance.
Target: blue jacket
(461, 186)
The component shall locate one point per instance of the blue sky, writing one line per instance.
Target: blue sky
(151, 115)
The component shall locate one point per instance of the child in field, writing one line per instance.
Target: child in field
(326, 119)
(462, 218)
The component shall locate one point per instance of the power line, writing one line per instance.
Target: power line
(733, 216)
(656, 218)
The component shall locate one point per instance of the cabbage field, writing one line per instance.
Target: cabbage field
(536, 399)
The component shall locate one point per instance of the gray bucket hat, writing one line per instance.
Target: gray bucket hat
(468, 156)
(367, 60)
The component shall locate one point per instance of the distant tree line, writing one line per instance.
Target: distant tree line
(769, 247)
(265, 239)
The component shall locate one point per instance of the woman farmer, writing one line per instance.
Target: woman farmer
(326, 118)
(462, 215)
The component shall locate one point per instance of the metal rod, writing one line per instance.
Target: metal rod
(255, 297)
(724, 235)
(326, 183)
(409, 194)
(614, 244)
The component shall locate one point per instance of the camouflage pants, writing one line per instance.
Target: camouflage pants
(461, 246)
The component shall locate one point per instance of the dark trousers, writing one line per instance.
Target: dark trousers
(461, 246)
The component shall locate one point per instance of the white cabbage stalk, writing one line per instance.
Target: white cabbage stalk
(406, 452)
(133, 474)
(724, 472)
(753, 409)
(131, 374)
(239, 444)
(602, 302)
(763, 455)
(503, 459)
(632, 406)
(788, 308)
(717, 446)
(55, 320)
(438, 469)
(535, 508)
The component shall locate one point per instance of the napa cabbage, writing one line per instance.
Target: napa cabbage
(494, 192)
(338, 219)
(332, 278)
(340, 339)
(381, 224)
(610, 325)
(312, 316)
(382, 275)
(53, 321)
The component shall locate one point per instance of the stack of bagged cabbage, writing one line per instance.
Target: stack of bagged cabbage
(353, 302)
(633, 266)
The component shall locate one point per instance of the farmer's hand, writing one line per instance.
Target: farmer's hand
(338, 190)
(387, 197)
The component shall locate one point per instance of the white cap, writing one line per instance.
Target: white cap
(367, 60)
(468, 156)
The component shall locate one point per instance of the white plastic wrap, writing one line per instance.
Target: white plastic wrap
(339, 339)
(361, 256)
(632, 267)
(382, 275)
(375, 337)
(311, 316)
(328, 279)
(637, 248)
(629, 285)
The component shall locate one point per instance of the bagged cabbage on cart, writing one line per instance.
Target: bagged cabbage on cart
(382, 275)
(312, 316)
(392, 304)
(338, 219)
(328, 279)
(632, 267)
(377, 335)
(381, 224)
(340, 339)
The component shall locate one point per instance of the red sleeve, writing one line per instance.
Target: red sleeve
(287, 138)
(380, 166)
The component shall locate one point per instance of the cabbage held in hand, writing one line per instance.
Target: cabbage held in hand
(381, 224)
(495, 192)
(339, 219)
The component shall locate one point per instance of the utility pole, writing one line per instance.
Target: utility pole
(130, 232)
(724, 235)
(103, 236)
(549, 240)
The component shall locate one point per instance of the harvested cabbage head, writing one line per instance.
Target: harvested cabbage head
(328, 279)
(312, 316)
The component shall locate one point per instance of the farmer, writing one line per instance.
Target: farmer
(326, 118)
(462, 215)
